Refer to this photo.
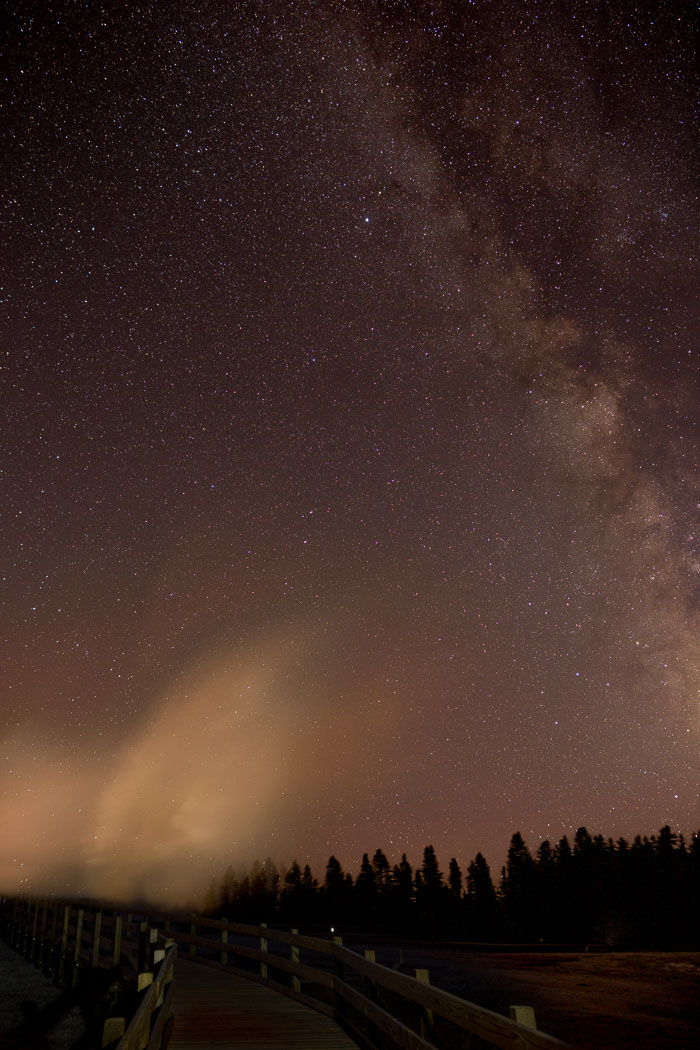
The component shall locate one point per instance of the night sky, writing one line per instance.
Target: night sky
(350, 467)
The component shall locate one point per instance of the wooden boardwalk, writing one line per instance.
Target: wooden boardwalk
(215, 1010)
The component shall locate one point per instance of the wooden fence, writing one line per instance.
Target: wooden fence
(123, 966)
(379, 1008)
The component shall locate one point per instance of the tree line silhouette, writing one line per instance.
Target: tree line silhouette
(640, 893)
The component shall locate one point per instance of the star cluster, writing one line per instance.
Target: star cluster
(350, 463)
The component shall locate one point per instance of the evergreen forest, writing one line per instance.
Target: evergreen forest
(592, 890)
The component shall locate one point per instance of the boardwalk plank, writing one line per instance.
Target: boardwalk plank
(216, 1010)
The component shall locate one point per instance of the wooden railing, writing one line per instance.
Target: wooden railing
(378, 1007)
(114, 959)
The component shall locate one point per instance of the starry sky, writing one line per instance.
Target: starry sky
(350, 469)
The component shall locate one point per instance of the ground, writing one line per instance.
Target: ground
(31, 1009)
(615, 1001)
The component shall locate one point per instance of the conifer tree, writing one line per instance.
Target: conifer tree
(519, 891)
(481, 899)
(454, 879)
(402, 890)
(382, 870)
(430, 872)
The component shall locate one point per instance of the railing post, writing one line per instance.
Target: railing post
(263, 948)
(114, 1028)
(13, 924)
(224, 949)
(53, 947)
(78, 939)
(143, 980)
(64, 945)
(26, 928)
(33, 944)
(18, 927)
(142, 948)
(426, 1017)
(96, 940)
(296, 983)
(193, 933)
(42, 935)
(523, 1015)
(370, 985)
(338, 966)
(147, 939)
(117, 947)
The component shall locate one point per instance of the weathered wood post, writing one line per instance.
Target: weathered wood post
(157, 954)
(17, 926)
(42, 935)
(32, 944)
(76, 950)
(146, 951)
(114, 1028)
(64, 946)
(15, 940)
(12, 926)
(142, 950)
(53, 946)
(27, 932)
(166, 983)
(426, 1018)
(224, 949)
(337, 964)
(296, 983)
(370, 985)
(18, 931)
(143, 980)
(193, 934)
(339, 971)
(96, 940)
(263, 948)
(523, 1015)
(25, 927)
(117, 946)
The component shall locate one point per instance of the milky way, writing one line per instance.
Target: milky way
(350, 465)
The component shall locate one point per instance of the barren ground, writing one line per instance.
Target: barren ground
(32, 1016)
(614, 1001)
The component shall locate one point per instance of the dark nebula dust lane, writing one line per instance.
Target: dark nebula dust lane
(350, 469)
